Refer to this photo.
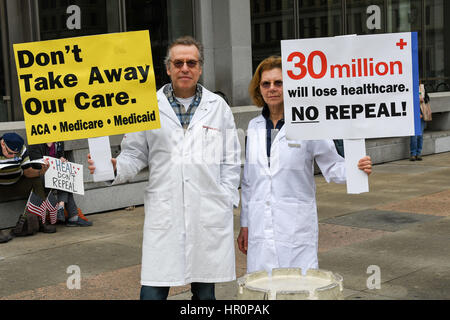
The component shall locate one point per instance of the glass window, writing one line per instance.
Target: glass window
(277, 19)
(437, 45)
(255, 6)
(279, 29)
(365, 17)
(53, 19)
(318, 19)
(279, 4)
(406, 16)
(272, 21)
(256, 33)
(267, 31)
(4, 107)
(298, 19)
(166, 20)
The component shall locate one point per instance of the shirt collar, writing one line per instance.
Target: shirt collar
(170, 94)
(266, 114)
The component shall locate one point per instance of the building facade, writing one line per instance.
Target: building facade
(237, 34)
(298, 19)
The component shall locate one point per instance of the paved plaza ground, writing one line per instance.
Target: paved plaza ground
(401, 226)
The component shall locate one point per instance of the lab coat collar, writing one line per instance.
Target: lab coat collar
(165, 107)
(206, 106)
(260, 119)
(261, 124)
(275, 152)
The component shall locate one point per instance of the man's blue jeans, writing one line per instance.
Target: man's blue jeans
(416, 142)
(200, 291)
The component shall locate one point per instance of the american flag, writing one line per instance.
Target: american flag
(39, 207)
(36, 206)
(51, 205)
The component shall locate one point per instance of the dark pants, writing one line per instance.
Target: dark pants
(416, 142)
(200, 291)
(66, 197)
(69, 202)
(21, 189)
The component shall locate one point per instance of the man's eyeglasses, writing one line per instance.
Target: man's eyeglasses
(180, 63)
(276, 83)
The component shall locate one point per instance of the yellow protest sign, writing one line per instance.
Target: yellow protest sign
(87, 87)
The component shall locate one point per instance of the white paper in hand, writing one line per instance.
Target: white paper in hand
(100, 151)
(357, 180)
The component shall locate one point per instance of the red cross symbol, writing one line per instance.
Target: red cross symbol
(401, 44)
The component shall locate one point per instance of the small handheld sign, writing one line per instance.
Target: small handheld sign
(64, 175)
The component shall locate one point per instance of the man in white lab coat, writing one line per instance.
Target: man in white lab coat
(194, 172)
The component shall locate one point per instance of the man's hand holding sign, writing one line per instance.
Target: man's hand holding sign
(352, 88)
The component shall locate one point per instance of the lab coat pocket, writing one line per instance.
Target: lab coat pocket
(212, 145)
(158, 210)
(215, 209)
(294, 222)
(256, 220)
(293, 155)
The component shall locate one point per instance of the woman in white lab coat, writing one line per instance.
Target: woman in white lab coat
(279, 226)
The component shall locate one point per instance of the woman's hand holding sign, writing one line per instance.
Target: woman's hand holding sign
(365, 164)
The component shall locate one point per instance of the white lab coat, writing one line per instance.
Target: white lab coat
(192, 187)
(279, 203)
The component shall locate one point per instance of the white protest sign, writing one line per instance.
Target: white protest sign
(100, 151)
(66, 176)
(357, 180)
(351, 87)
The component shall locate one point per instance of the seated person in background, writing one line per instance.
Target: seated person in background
(17, 179)
(65, 199)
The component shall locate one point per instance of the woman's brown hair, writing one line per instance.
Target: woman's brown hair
(269, 63)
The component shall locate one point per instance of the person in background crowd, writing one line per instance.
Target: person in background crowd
(66, 200)
(416, 142)
(17, 179)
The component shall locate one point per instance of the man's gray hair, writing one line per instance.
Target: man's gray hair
(185, 41)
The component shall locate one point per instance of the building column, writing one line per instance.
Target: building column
(21, 27)
(223, 26)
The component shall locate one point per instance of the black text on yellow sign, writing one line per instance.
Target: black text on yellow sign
(87, 87)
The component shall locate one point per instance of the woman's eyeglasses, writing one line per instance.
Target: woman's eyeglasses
(276, 83)
(180, 63)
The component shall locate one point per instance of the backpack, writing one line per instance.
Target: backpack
(425, 107)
